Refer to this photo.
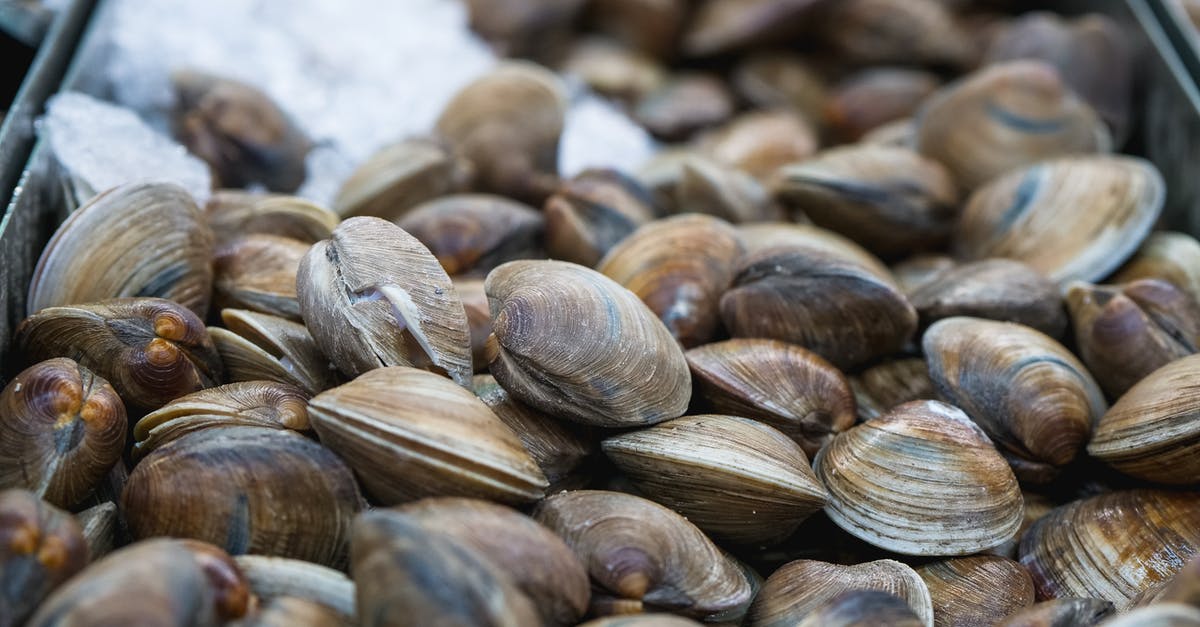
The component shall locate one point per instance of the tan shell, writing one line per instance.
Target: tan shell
(776, 79)
(997, 289)
(920, 269)
(724, 25)
(686, 102)
(890, 200)
(1004, 117)
(1159, 615)
(1074, 218)
(736, 479)
(1153, 432)
(802, 586)
(973, 591)
(410, 433)
(374, 296)
(573, 343)
(151, 350)
(780, 384)
(613, 70)
(679, 267)
(247, 489)
(886, 385)
(1171, 257)
(1028, 392)
(62, 428)
(260, 347)
(235, 213)
(479, 319)
(900, 133)
(401, 176)
(704, 186)
(860, 608)
(138, 239)
(1112, 546)
(765, 235)
(865, 32)
(759, 142)
(281, 577)
(258, 272)
(1067, 612)
(873, 97)
(537, 561)
(473, 233)
(99, 524)
(589, 213)
(1125, 332)
(41, 547)
(647, 555)
(889, 481)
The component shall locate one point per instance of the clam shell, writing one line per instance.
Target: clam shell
(641, 620)
(920, 269)
(374, 296)
(736, 479)
(258, 272)
(679, 267)
(263, 347)
(765, 235)
(972, 591)
(41, 547)
(889, 480)
(803, 586)
(410, 433)
(281, 577)
(1171, 257)
(872, 97)
(99, 524)
(235, 213)
(770, 80)
(1161, 614)
(1075, 218)
(138, 239)
(723, 25)
(780, 384)
(1060, 613)
(291, 612)
(589, 213)
(613, 70)
(863, 32)
(685, 103)
(997, 289)
(401, 176)
(862, 607)
(884, 386)
(707, 187)
(575, 344)
(475, 232)
(1112, 546)
(759, 142)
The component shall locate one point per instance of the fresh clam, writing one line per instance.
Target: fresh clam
(524, 28)
(99, 524)
(765, 235)
(888, 384)
(41, 547)
(875, 96)
(996, 289)
(151, 350)
(573, 343)
(1169, 256)
(780, 384)
(258, 272)
(650, 26)
(1069, 218)
(1159, 615)
(705, 186)
(236, 213)
(889, 480)
(372, 296)
(684, 104)
(475, 232)
(258, 346)
(803, 586)
(409, 433)
(895, 31)
(735, 478)
(280, 577)
(592, 211)
(613, 70)
(860, 608)
(1065, 612)
(62, 428)
(900, 133)
(975, 590)
(719, 26)
(679, 267)
(139, 239)
(646, 556)
(399, 177)
(759, 142)
(1028, 392)
(772, 80)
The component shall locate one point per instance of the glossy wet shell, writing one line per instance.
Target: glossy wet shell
(259, 347)
(41, 547)
(886, 385)
(281, 577)
(997, 289)
(575, 344)
(802, 586)
(473, 233)
(591, 212)
(258, 272)
(235, 213)
(400, 176)
(973, 591)
(1166, 255)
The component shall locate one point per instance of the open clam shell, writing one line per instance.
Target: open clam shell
(259, 347)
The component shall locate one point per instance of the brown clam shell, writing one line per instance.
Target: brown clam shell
(401, 176)
(886, 385)
(589, 213)
(997, 289)
(259, 346)
(803, 586)
(973, 591)
(473, 233)
(41, 547)
(258, 272)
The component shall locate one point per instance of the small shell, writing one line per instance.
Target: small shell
(1112, 546)
(684, 104)
(900, 133)
(523, 29)
(780, 384)
(1003, 117)
(1028, 392)
(139, 239)
(479, 319)
(646, 555)
(1065, 612)
(280, 577)
(679, 267)
(759, 142)
(803, 586)
(649, 26)
(592, 211)
(374, 296)
(765, 235)
(724, 25)
(236, 213)
(258, 272)
(870, 98)
(401, 176)
(889, 480)
(704, 186)
(613, 70)
(475, 232)
(642, 620)
(1071, 218)
(973, 591)
(884, 386)
(41, 547)
(260, 347)
(573, 343)
(151, 350)
(1171, 257)
(772, 80)
(61, 429)
(410, 433)
(996, 289)
(736, 479)
(868, 32)
(862, 608)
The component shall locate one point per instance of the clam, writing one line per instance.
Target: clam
(524, 28)
(258, 347)
(704, 186)
(900, 133)
(99, 524)
(1112, 546)
(719, 26)
(290, 612)
(649, 26)
(975, 590)
(765, 235)
(889, 480)
(834, 304)
(372, 296)
(558, 447)
(645, 556)
(479, 319)
(1066, 612)
(475, 232)
(592, 211)
(248, 490)
(684, 104)
(1003, 117)
(1169, 256)
(920, 269)
(859, 608)
(1152, 432)
(996, 289)
(886, 385)
(1028, 392)
(401, 176)
(780, 384)
(406, 573)
(538, 562)
(1160, 614)
(760, 141)
(573, 343)
(258, 272)
(896, 31)
(507, 125)
(235, 213)
(283, 578)
(870, 98)
(613, 70)
(641, 620)
(61, 429)
(1070, 218)
(737, 479)
(138, 239)
(679, 267)
(1184, 587)
(803, 586)
(239, 131)
(41, 547)
(151, 350)
(771, 80)
(890, 200)
(409, 433)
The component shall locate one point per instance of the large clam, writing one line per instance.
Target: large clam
(803, 586)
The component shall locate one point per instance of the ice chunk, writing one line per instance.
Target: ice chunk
(102, 145)
(597, 134)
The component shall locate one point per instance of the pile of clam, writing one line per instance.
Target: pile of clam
(945, 374)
